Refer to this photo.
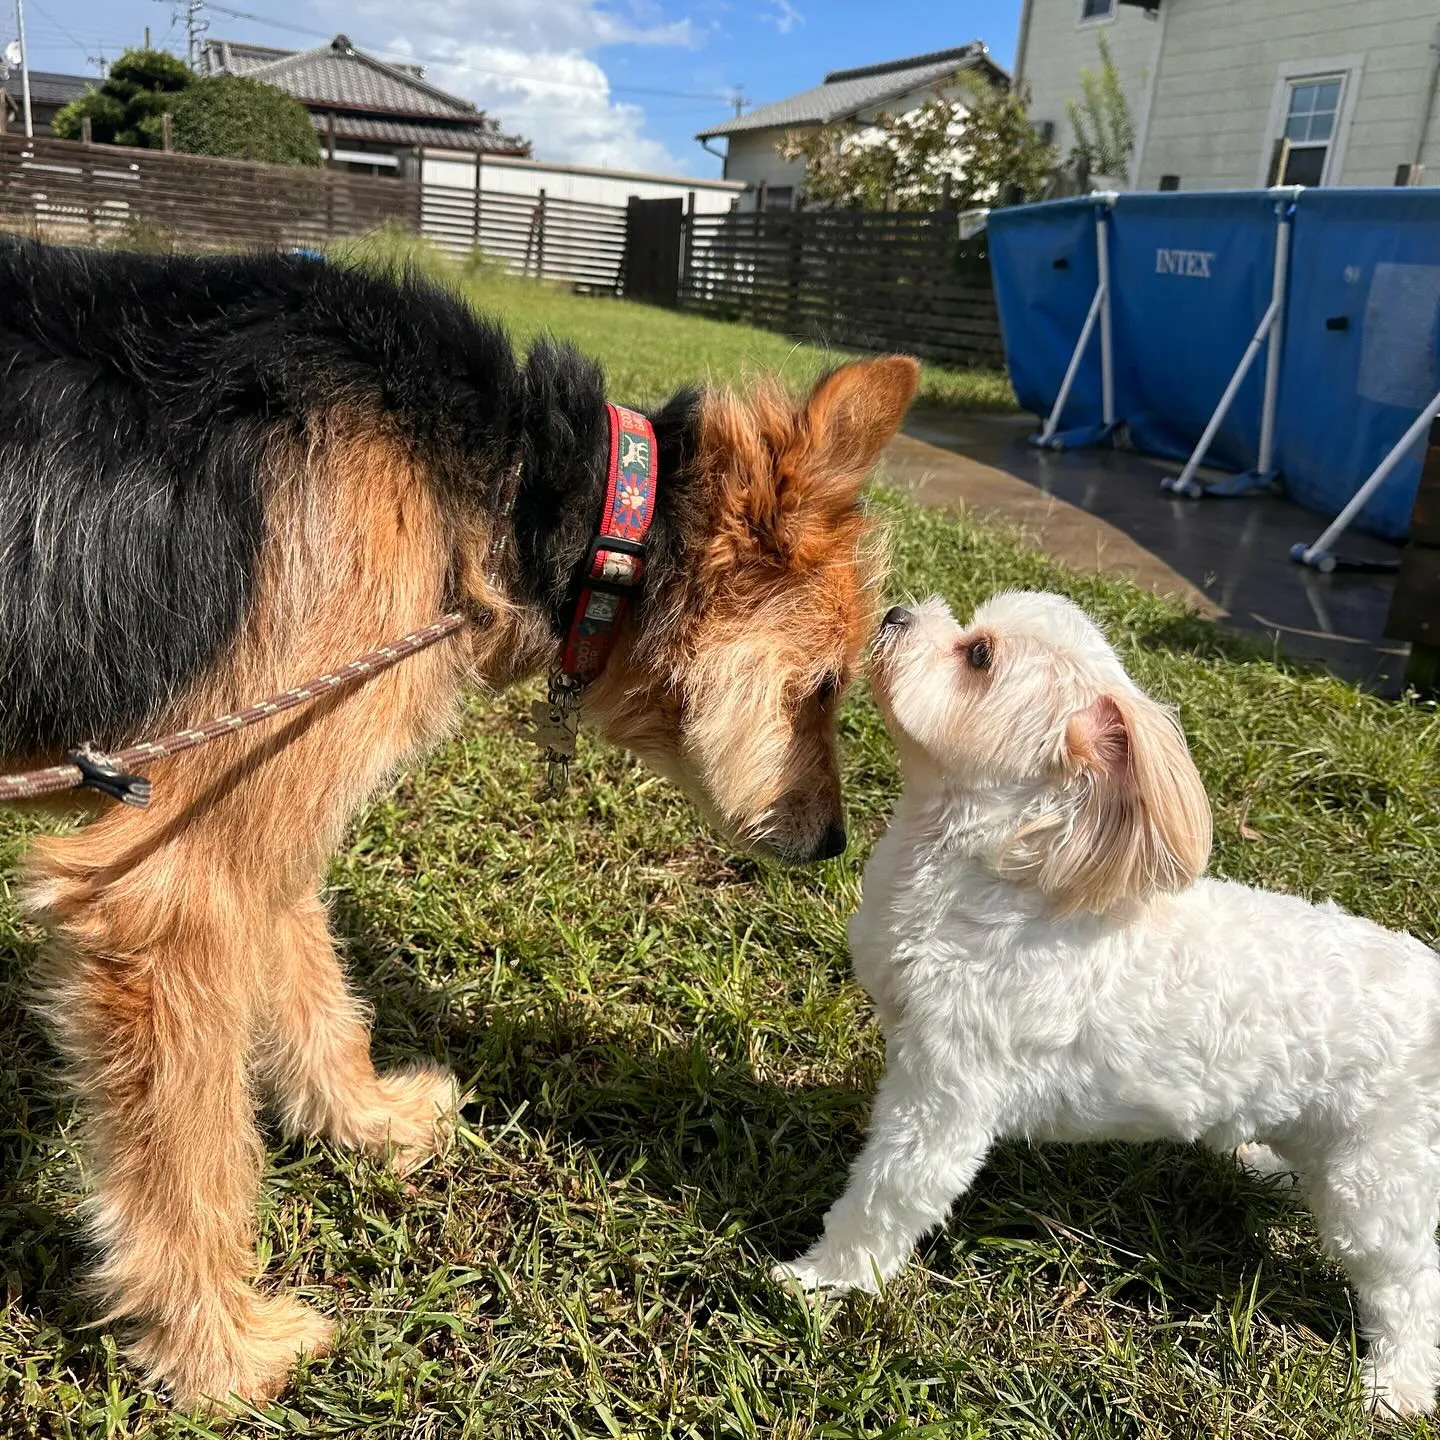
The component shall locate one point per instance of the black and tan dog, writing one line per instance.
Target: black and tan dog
(218, 477)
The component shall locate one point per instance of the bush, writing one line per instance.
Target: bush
(244, 120)
(127, 108)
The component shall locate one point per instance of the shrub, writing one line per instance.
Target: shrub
(127, 108)
(244, 120)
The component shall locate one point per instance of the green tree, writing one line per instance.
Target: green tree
(1104, 127)
(141, 86)
(959, 154)
(245, 120)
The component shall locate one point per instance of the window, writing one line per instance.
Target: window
(1311, 119)
(1311, 113)
(1091, 10)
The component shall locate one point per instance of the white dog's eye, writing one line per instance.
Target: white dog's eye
(978, 654)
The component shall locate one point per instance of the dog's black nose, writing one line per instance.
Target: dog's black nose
(832, 843)
(898, 616)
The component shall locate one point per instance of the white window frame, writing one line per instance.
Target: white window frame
(1349, 70)
(1088, 22)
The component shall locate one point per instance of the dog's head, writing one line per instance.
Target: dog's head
(733, 687)
(1028, 713)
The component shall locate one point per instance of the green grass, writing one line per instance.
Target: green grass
(672, 1069)
(647, 351)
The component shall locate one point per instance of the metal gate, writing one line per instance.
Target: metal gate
(652, 250)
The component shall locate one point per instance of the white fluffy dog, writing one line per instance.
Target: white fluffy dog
(1046, 962)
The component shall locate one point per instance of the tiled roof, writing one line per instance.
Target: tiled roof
(236, 57)
(411, 132)
(849, 92)
(49, 87)
(340, 75)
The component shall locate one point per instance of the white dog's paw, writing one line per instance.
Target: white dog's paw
(1401, 1385)
(822, 1269)
(1261, 1160)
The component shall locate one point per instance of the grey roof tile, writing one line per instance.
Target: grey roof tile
(49, 87)
(848, 92)
(338, 74)
(412, 132)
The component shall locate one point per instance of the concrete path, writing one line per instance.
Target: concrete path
(1103, 511)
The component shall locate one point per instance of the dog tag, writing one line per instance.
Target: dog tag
(554, 730)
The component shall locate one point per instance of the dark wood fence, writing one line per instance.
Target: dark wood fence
(537, 235)
(90, 194)
(858, 279)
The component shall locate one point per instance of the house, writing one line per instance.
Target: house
(49, 90)
(853, 97)
(1231, 94)
(372, 115)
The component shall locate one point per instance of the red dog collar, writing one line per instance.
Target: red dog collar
(615, 565)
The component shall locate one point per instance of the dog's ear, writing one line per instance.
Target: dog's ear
(788, 477)
(1135, 820)
(849, 418)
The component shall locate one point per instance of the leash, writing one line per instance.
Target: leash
(90, 769)
(611, 577)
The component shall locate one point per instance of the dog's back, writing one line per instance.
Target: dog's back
(138, 401)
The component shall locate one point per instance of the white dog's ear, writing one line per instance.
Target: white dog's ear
(1135, 818)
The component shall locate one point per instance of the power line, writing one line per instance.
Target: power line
(39, 9)
(712, 97)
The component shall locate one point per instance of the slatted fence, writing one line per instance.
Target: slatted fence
(537, 235)
(67, 191)
(858, 279)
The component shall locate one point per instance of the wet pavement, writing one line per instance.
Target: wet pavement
(1104, 510)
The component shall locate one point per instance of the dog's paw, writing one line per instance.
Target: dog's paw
(219, 1356)
(418, 1113)
(1399, 1386)
(1263, 1162)
(822, 1269)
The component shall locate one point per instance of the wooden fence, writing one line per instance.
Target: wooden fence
(537, 235)
(862, 280)
(89, 194)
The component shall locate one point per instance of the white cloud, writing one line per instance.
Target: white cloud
(783, 16)
(529, 65)
(561, 102)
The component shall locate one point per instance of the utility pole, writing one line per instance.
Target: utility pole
(195, 26)
(24, 67)
(738, 100)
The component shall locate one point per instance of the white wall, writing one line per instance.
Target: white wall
(1206, 82)
(1058, 47)
(753, 156)
(752, 159)
(512, 176)
(1220, 94)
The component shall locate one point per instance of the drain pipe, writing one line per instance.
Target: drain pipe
(1428, 105)
(1021, 41)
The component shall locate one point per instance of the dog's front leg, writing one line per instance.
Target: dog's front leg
(922, 1153)
(316, 1055)
(153, 993)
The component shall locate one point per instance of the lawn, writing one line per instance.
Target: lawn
(646, 351)
(671, 1068)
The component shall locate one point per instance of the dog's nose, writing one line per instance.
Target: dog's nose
(832, 843)
(898, 616)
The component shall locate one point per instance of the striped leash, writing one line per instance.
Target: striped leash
(109, 774)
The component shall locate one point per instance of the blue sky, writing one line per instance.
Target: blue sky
(581, 78)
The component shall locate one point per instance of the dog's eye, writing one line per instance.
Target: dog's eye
(978, 654)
